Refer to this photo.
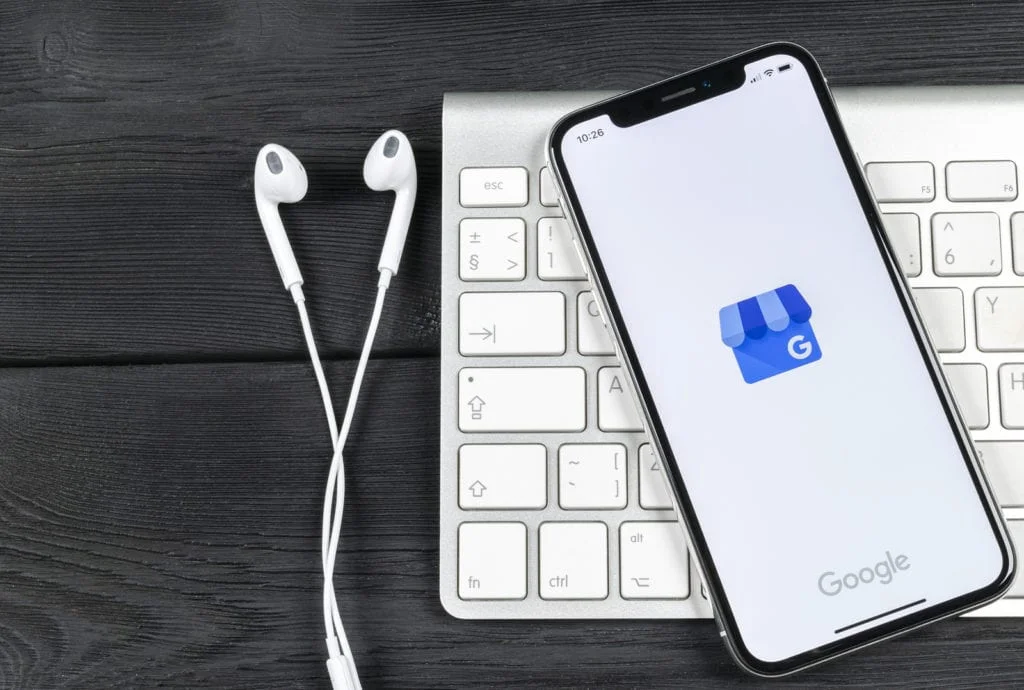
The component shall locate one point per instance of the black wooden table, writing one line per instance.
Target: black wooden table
(162, 447)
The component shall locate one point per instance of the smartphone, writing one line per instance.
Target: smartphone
(824, 476)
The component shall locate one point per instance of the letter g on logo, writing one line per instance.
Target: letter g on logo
(799, 348)
(829, 584)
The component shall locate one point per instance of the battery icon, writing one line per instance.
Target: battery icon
(783, 68)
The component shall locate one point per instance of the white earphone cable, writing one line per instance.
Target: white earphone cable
(280, 178)
(332, 615)
(334, 500)
(314, 356)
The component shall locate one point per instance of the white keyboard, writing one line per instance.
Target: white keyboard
(552, 505)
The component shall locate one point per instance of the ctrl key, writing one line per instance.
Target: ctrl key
(492, 560)
(573, 560)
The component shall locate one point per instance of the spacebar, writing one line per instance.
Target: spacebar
(522, 399)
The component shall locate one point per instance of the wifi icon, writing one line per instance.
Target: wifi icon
(769, 72)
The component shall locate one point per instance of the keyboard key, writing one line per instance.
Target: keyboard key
(592, 336)
(904, 231)
(483, 187)
(1016, 529)
(548, 190)
(1004, 466)
(1000, 316)
(573, 560)
(901, 181)
(942, 310)
(981, 181)
(557, 258)
(503, 476)
(966, 244)
(512, 323)
(654, 490)
(592, 475)
(1017, 239)
(492, 249)
(1011, 395)
(492, 560)
(616, 410)
(522, 399)
(655, 563)
(970, 389)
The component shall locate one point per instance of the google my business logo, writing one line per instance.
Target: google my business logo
(770, 333)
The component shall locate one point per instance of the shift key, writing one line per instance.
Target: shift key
(522, 399)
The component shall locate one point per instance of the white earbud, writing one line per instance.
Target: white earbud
(391, 166)
(279, 178)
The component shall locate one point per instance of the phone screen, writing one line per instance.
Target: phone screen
(822, 466)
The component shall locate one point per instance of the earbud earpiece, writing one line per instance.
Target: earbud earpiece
(391, 166)
(279, 179)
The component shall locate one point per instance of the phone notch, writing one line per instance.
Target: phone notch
(676, 93)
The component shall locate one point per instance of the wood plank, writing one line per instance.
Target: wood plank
(133, 251)
(127, 138)
(160, 527)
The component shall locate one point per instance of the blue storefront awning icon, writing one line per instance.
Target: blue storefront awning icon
(769, 311)
(770, 333)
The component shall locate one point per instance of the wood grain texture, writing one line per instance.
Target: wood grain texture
(160, 528)
(127, 134)
(158, 523)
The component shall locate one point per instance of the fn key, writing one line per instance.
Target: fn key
(492, 560)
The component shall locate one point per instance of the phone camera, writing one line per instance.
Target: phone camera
(706, 84)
